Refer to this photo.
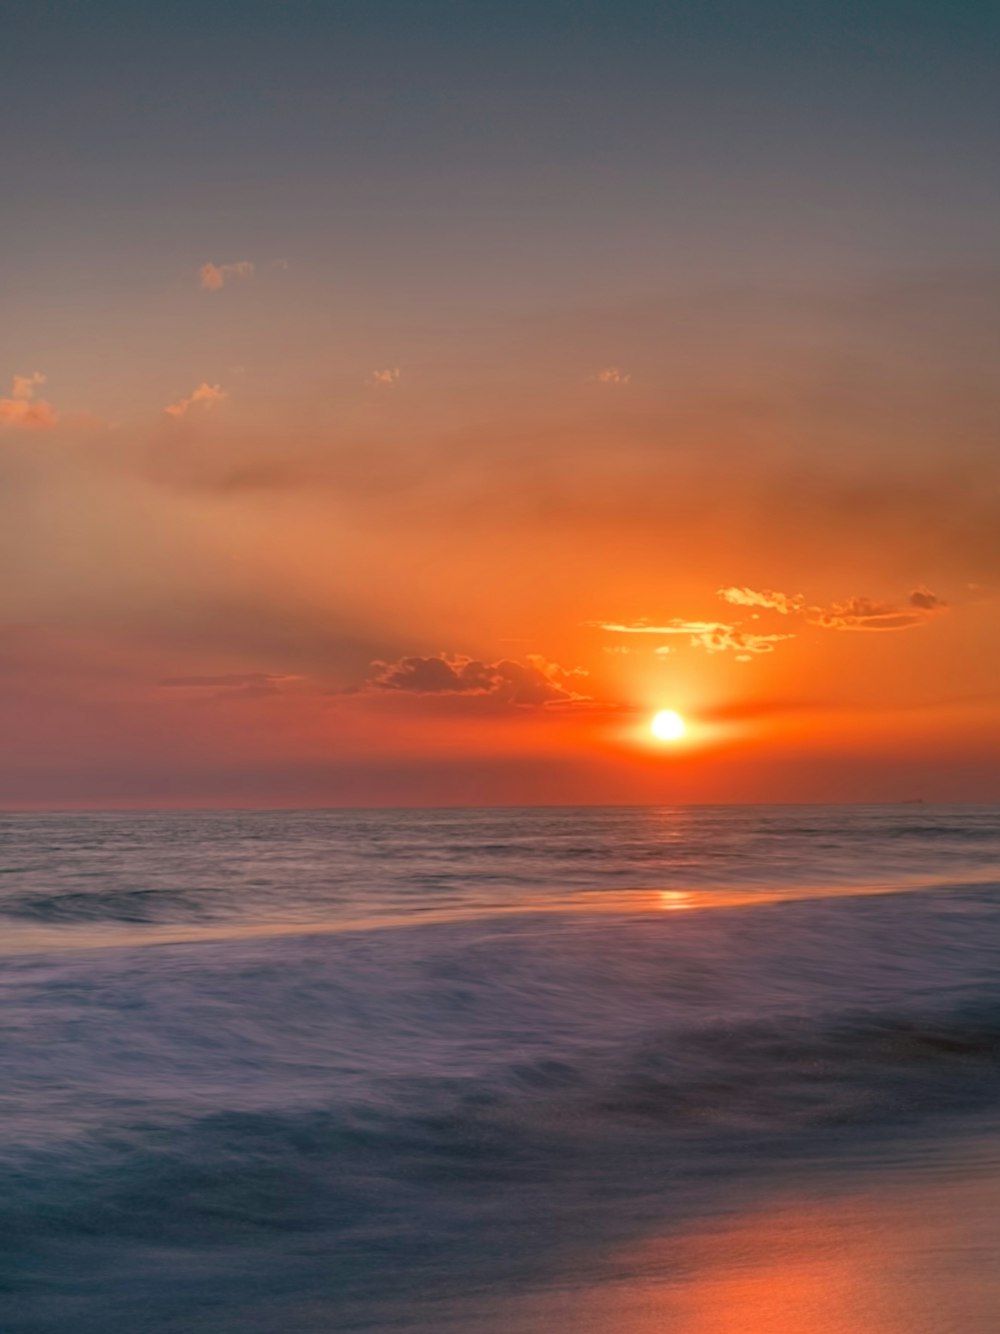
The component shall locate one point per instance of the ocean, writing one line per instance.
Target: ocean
(702, 1070)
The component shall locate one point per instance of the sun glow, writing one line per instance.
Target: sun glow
(667, 725)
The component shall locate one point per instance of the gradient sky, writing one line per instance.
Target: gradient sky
(401, 400)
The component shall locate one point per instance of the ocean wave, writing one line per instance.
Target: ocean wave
(139, 905)
(960, 833)
(158, 916)
(576, 1131)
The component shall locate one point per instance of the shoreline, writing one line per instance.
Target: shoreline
(904, 1249)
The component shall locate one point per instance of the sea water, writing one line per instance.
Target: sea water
(415, 1070)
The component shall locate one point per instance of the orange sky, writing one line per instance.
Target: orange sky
(511, 374)
(220, 608)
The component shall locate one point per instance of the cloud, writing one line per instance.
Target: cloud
(856, 613)
(208, 394)
(213, 276)
(386, 377)
(24, 386)
(533, 682)
(926, 600)
(704, 632)
(765, 597)
(23, 411)
(612, 375)
(727, 638)
(865, 614)
(643, 627)
(712, 636)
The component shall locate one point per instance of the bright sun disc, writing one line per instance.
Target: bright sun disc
(667, 725)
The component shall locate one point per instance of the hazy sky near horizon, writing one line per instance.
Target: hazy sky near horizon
(401, 401)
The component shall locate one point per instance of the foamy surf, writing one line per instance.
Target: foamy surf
(20, 938)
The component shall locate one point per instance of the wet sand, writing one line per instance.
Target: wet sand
(914, 1251)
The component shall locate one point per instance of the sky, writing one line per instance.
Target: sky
(403, 400)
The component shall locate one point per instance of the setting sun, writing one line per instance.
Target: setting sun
(668, 725)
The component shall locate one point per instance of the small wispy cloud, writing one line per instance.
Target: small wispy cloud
(765, 597)
(865, 614)
(22, 410)
(712, 636)
(389, 376)
(729, 639)
(643, 627)
(212, 277)
(24, 386)
(206, 394)
(613, 375)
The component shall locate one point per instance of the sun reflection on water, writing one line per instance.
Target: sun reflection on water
(676, 900)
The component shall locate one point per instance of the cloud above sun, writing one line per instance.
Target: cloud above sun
(765, 597)
(728, 639)
(854, 613)
(711, 636)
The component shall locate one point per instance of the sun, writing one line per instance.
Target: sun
(667, 725)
